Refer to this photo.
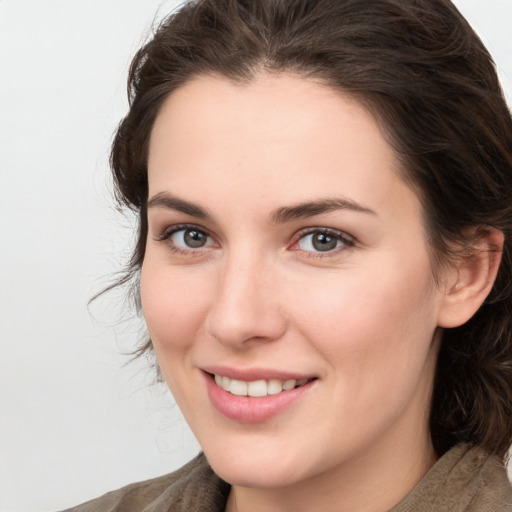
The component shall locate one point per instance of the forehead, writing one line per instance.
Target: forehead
(276, 132)
(283, 106)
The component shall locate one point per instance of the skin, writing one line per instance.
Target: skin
(363, 318)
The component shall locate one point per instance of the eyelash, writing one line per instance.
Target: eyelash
(169, 232)
(347, 241)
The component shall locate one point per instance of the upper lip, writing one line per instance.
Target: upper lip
(253, 374)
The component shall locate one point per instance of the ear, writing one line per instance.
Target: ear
(470, 278)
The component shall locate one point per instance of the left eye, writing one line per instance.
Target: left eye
(190, 238)
(322, 241)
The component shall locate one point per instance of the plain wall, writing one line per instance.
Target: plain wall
(75, 421)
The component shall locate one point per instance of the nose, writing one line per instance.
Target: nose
(246, 306)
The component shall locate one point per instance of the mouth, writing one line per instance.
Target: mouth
(257, 395)
(258, 388)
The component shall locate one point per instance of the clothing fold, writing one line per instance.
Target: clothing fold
(465, 479)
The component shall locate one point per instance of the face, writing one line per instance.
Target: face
(287, 285)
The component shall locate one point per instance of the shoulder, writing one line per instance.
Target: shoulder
(192, 488)
(465, 479)
(492, 489)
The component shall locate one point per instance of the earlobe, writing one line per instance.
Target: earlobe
(471, 278)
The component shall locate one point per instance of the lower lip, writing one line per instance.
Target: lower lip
(247, 409)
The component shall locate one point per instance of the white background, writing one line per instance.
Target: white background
(75, 421)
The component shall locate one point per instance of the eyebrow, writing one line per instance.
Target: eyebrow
(164, 200)
(312, 208)
(279, 216)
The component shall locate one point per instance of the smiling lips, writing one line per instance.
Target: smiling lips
(254, 401)
(257, 388)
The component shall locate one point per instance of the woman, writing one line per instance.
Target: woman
(324, 255)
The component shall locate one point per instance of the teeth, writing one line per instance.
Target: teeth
(238, 387)
(274, 386)
(289, 384)
(257, 388)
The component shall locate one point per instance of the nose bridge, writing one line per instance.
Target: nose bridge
(245, 307)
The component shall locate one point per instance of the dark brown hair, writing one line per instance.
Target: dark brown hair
(426, 76)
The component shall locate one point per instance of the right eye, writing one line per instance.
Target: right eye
(189, 238)
(186, 238)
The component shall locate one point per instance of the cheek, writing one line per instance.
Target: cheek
(376, 336)
(173, 305)
(371, 325)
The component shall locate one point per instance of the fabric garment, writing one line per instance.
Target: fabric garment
(465, 479)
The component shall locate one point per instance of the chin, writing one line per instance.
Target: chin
(259, 467)
(247, 473)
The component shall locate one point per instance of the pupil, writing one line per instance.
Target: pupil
(194, 238)
(323, 242)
